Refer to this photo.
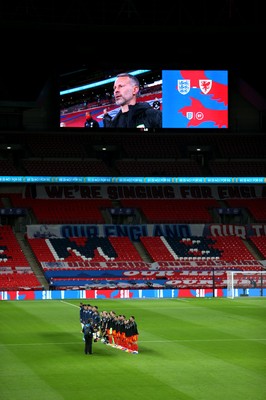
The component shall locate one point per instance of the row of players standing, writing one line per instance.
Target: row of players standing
(110, 328)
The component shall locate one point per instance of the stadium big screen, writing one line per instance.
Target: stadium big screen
(187, 98)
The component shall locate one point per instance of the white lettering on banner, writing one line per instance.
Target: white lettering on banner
(158, 274)
(260, 230)
(124, 264)
(161, 264)
(82, 294)
(114, 192)
(175, 275)
(200, 293)
(210, 263)
(4, 296)
(46, 295)
(124, 294)
(186, 282)
(174, 282)
(228, 230)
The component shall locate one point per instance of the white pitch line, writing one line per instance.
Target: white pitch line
(142, 341)
(69, 304)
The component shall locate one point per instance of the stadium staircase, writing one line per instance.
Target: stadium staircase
(143, 252)
(253, 250)
(31, 259)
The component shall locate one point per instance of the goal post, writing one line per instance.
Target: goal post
(241, 282)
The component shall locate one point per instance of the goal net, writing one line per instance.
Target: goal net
(239, 283)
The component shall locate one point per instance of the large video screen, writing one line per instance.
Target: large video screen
(165, 99)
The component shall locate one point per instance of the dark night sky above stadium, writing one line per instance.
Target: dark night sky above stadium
(40, 43)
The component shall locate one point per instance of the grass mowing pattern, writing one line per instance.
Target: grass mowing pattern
(200, 349)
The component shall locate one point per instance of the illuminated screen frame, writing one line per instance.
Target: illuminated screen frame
(189, 99)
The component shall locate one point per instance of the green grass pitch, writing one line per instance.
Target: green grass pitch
(202, 349)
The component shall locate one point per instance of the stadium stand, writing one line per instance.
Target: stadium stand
(187, 240)
(15, 270)
(175, 210)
